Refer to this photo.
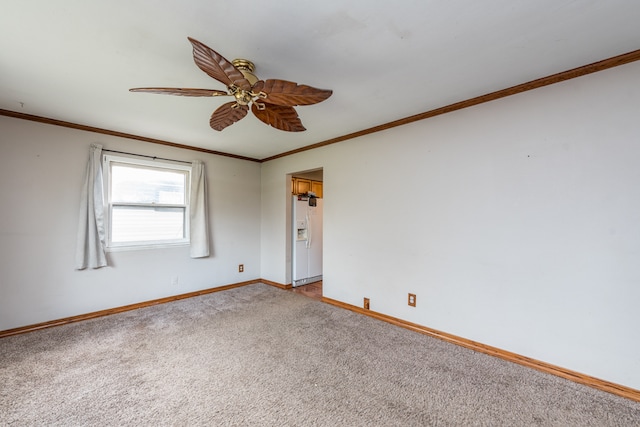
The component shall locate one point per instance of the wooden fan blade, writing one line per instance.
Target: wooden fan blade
(280, 117)
(217, 66)
(180, 91)
(282, 92)
(227, 114)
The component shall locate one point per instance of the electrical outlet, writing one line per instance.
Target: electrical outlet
(174, 281)
(366, 303)
(412, 300)
(240, 268)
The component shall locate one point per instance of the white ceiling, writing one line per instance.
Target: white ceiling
(74, 60)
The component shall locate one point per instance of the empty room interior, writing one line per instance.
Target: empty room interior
(464, 171)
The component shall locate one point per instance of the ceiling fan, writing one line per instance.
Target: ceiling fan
(271, 100)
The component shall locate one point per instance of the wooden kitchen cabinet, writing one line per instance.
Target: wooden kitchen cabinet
(316, 187)
(302, 186)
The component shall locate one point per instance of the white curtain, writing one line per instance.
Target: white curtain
(199, 223)
(90, 245)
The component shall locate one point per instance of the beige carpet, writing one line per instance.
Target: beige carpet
(260, 356)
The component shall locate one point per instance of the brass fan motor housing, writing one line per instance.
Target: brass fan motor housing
(247, 68)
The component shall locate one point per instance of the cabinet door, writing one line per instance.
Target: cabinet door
(316, 187)
(302, 186)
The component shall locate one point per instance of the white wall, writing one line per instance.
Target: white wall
(516, 223)
(41, 172)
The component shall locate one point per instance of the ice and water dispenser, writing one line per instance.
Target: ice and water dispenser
(301, 227)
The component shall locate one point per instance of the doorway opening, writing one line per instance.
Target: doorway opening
(304, 231)
(312, 290)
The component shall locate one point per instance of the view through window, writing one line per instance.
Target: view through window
(147, 202)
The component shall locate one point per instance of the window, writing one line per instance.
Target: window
(147, 203)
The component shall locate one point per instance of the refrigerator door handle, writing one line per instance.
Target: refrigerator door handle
(308, 219)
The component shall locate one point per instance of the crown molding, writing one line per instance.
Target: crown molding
(524, 87)
(102, 131)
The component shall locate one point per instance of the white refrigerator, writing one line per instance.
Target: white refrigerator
(306, 259)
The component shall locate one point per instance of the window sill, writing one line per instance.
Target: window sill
(146, 247)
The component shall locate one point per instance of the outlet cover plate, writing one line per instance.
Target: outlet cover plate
(412, 300)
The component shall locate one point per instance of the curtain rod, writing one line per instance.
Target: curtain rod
(150, 157)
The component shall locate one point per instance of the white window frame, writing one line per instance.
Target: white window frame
(108, 160)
